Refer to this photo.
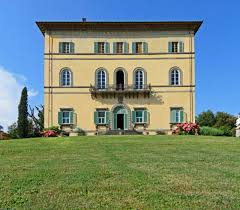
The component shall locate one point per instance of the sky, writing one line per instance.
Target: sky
(216, 44)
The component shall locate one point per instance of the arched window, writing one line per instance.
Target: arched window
(101, 79)
(66, 77)
(175, 77)
(139, 79)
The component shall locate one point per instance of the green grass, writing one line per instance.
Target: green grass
(120, 172)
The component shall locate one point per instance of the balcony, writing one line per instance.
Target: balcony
(130, 91)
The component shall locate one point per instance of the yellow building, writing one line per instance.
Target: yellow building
(111, 76)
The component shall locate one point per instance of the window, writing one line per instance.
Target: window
(66, 47)
(139, 47)
(66, 77)
(177, 115)
(101, 48)
(139, 79)
(101, 117)
(139, 116)
(119, 47)
(175, 47)
(101, 79)
(65, 116)
(175, 77)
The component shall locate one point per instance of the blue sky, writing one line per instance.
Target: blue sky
(217, 44)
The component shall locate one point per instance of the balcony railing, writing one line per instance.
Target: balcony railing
(127, 90)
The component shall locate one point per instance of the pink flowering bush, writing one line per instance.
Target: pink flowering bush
(49, 133)
(187, 128)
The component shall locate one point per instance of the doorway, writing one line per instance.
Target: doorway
(120, 121)
(120, 80)
(120, 118)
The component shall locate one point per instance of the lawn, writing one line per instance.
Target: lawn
(120, 172)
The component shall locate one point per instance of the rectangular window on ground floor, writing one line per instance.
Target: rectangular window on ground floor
(101, 117)
(140, 116)
(177, 115)
(65, 117)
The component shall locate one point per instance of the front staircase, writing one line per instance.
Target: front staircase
(121, 132)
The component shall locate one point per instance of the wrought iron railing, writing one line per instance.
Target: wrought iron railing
(121, 88)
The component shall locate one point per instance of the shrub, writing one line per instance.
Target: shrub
(54, 128)
(13, 131)
(186, 128)
(80, 131)
(209, 131)
(49, 133)
(160, 132)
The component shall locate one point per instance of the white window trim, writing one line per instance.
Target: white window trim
(101, 85)
(64, 82)
(140, 118)
(66, 123)
(174, 83)
(102, 118)
(137, 83)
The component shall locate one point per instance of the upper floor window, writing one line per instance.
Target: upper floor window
(120, 47)
(101, 47)
(66, 47)
(177, 115)
(175, 47)
(101, 79)
(175, 77)
(139, 47)
(139, 79)
(66, 77)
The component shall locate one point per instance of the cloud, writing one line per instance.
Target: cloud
(32, 93)
(10, 91)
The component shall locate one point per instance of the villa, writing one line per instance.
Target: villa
(119, 76)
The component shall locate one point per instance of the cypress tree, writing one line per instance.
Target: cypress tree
(23, 115)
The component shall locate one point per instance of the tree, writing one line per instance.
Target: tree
(36, 122)
(1, 127)
(23, 115)
(225, 121)
(13, 131)
(206, 119)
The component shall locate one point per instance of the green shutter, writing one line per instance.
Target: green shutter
(71, 117)
(126, 48)
(71, 47)
(133, 117)
(181, 116)
(115, 122)
(170, 47)
(125, 121)
(145, 47)
(96, 118)
(181, 47)
(107, 118)
(59, 118)
(145, 116)
(96, 47)
(114, 47)
(173, 115)
(60, 47)
(134, 47)
(106, 48)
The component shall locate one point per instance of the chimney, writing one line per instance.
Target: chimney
(84, 19)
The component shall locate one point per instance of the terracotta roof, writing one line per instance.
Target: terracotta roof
(164, 25)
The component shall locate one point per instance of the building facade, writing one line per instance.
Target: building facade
(106, 76)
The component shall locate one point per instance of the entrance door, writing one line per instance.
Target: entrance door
(120, 121)
(120, 118)
(120, 80)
